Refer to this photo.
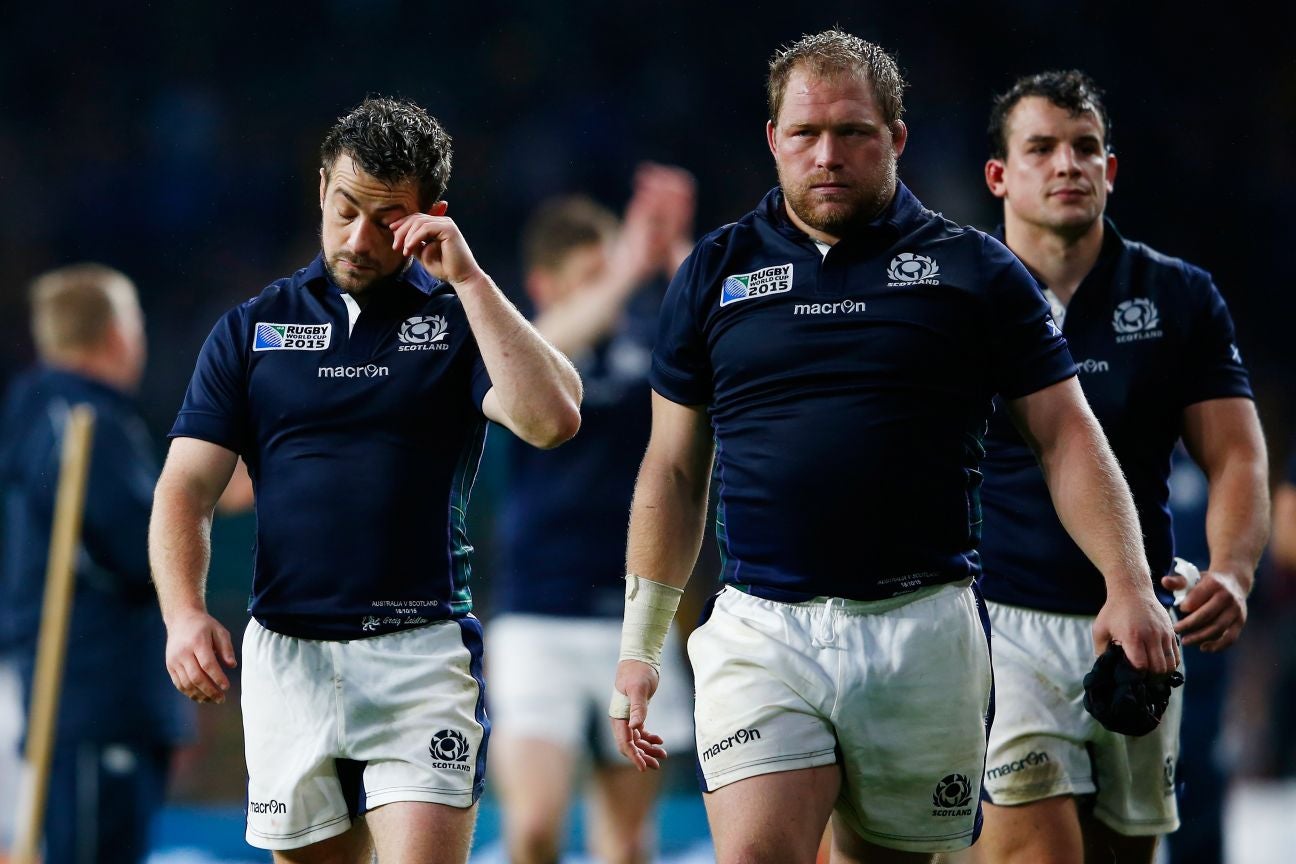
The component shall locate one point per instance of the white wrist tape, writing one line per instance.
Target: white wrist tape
(1189, 571)
(619, 707)
(649, 609)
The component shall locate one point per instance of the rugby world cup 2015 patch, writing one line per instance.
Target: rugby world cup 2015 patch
(291, 337)
(761, 283)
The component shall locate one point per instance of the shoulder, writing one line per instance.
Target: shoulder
(1166, 269)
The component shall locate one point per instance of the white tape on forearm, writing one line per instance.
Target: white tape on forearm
(619, 707)
(649, 609)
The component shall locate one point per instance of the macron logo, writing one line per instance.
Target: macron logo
(845, 307)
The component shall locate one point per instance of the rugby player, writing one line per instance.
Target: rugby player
(597, 287)
(1158, 359)
(837, 349)
(357, 390)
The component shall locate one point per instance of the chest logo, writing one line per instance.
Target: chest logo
(424, 333)
(761, 283)
(1136, 319)
(910, 269)
(291, 337)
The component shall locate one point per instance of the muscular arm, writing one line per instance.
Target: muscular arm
(1094, 504)
(1224, 438)
(535, 390)
(666, 524)
(668, 514)
(192, 480)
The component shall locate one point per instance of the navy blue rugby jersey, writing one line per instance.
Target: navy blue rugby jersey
(583, 486)
(116, 639)
(849, 393)
(362, 446)
(1151, 335)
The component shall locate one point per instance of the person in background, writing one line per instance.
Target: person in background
(1158, 359)
(596, 286)
(119, 720)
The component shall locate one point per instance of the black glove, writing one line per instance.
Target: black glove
(1122, 698)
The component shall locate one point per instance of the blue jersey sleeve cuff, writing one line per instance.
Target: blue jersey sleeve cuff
(1057, 368)
(678, 388)
(212, 428)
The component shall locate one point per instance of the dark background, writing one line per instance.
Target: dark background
(178, 141)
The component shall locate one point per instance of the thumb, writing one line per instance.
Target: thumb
(226, 647)
(638, 707)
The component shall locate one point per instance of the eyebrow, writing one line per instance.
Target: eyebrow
(383, 209)
(1045, 139)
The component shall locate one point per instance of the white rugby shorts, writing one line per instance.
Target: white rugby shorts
(332, 724)
(550, 679)
(1044, 743)
(896, 691)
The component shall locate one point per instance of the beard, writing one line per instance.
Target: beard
(358, 283)
(860, 204)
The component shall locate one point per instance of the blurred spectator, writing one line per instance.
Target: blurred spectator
(119, 718)
(554, 644)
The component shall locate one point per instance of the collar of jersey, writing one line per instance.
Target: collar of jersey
(903, 209)
(413, 275)
(1113, 245)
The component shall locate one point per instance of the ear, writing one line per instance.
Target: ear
(899, 136)
(769, 137)
(439, 208)
(994, 177)
(323, 187)
(1111, 173)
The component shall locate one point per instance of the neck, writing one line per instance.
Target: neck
(1060, 260)
(97, 368)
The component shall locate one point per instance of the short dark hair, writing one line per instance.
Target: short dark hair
(560, 225)
(1070, 89)
(834, 52)
(392, 140)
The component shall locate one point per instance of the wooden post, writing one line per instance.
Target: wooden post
(60, 578)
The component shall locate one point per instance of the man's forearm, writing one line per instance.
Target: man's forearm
(1237, 514)
(537, 386)
(179, 550)
(667, 520)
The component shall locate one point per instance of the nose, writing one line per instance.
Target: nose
(364, 237)
(828, 152)
(1065, 162)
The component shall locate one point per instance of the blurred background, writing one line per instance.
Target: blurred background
(178, 142)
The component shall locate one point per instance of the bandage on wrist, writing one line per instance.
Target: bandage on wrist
(649, 609)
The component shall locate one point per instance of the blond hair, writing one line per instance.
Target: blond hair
(831, 53)
(72, 307)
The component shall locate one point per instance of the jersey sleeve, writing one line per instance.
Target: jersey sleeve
(1028, 351)
(681, 366)
(1214, 367)
(215, 406)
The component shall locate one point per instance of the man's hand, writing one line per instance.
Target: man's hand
(197, 645)
(1214, 611)
(439, 245)
(638, 681)
(1137, 621)
(669, 194)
